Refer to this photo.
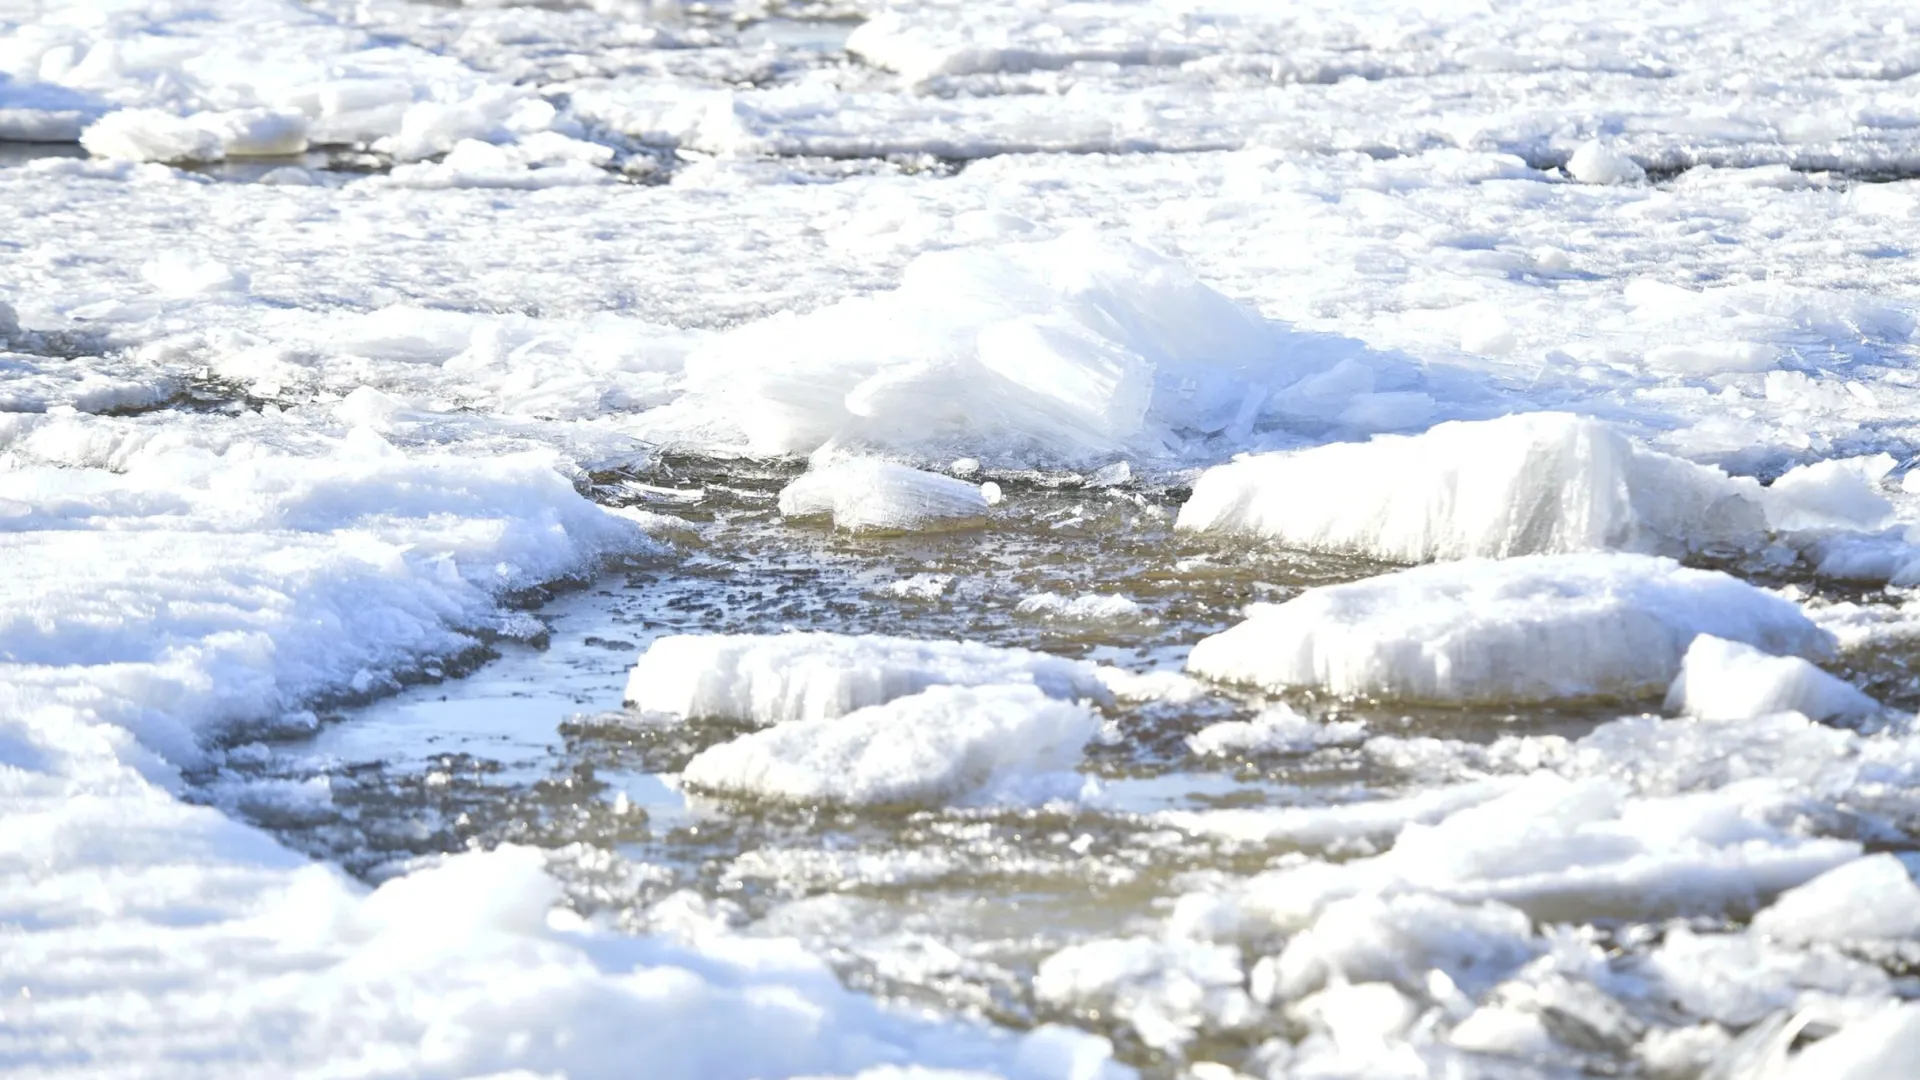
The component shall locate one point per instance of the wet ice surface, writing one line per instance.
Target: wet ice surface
(329, 330)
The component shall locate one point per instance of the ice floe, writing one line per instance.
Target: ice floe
(779, 678)
(1726, 680)
(1870, 898)
(1560, 850)
(1528, 629)
(864, 495)
(1533, 483)
(993, 742)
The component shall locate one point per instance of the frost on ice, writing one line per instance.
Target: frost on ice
(1536, 628)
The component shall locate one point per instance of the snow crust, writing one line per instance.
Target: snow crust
(995, 742)
(879, 496)
(781, 678)
(1529, 484)
(1534, 628)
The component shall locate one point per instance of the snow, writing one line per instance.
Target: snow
(1597, 163)
(154, 135)
(1725, 680)
(1870, 897)
(1276, 730)
(1562, 850)
(945, 742)
(864, 495)
(1536, 628)
(1529, 484)
(1087, 607)
(272, 449)
(782, 678)
(1057, 351)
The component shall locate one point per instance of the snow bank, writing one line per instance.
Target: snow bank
(943, 743)
(1725, 680)
(193, 588)
(779, 678)
(1533, 483)
(878, 496)
(1559, 850)
(1057, 351)
(1537, 628)
(155, 135)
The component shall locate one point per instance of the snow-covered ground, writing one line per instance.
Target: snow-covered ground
(882, 400)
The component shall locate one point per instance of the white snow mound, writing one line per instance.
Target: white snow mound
(778, 678)
(1725, 680)
(1536, 628)
(1528, 484)
(947, 742)
(863, 495)
(1059, 351)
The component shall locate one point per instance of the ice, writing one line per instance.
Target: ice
(1278, 729)
(1536, 628)
(1398, 940)
(1881, 1045)
(1558, 850)
(1533, 483)
(1868, 898)
(947, 742)
(865, 495)
(1338, 826)
(780, 678)
(360, 398)
(1725, 680)
(1597, 163)
(1087, 607)
(1057, 351)
(234, 583)
(1842, 493)
(1167, 990)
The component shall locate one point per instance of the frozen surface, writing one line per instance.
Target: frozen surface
(775, 679)
(945, 742)
(1532, 484)
(1534, 628)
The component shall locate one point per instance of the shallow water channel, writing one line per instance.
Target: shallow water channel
(952, 908)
